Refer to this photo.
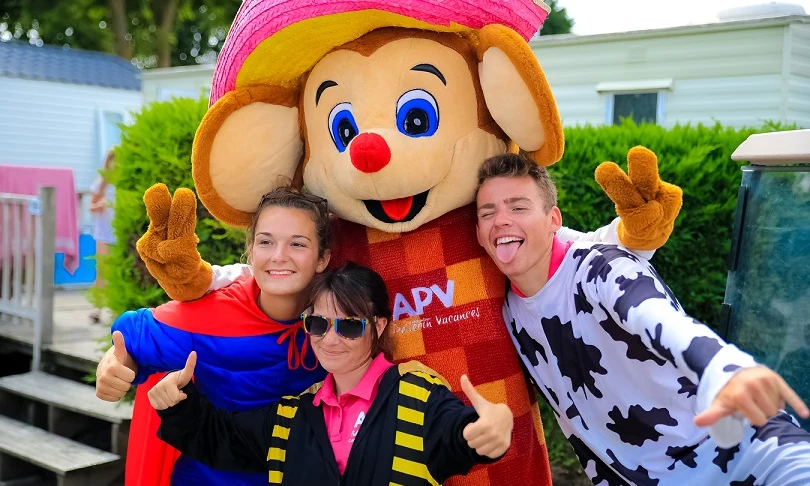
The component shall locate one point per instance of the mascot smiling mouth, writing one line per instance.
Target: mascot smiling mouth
(397, 210)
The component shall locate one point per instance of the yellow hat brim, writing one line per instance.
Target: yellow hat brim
(283, 58)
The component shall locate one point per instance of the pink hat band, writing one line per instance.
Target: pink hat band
(258, 20)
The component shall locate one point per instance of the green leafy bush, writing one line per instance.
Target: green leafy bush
(156, 148)
(696, 158)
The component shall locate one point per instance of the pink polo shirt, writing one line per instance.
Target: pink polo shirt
(558, 251)
(344, 415)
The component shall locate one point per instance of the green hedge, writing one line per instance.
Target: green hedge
(157, 147)
(696, 158)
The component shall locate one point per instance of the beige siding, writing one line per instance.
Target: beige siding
(163, 84)
(580, 104)
(735, 74)
(798, 77)
(733, 101)
(755, 99)
(800, 50)
(748, 52)
(798, 102)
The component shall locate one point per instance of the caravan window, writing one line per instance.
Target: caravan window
(641, 107)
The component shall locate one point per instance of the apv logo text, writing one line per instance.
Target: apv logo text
(422, 297)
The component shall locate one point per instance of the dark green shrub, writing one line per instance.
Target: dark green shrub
(157, 148)
(696, 158)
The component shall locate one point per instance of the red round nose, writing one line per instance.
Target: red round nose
(369, 152)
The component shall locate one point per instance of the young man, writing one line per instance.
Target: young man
(632, 379)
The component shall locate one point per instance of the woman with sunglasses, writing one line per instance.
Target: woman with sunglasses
(250, 332)
(368, 423)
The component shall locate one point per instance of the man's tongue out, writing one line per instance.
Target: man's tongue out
(397, 209)
(506, 251)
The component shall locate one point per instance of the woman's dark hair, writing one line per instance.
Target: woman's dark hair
(358, 291)
(287, 197)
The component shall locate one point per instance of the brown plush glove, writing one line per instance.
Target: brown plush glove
(646, 205)
(169, 247)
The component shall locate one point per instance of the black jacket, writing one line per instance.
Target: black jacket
(412, 435)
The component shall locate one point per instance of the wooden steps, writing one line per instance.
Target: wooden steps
(47, 450)
(43, 421)
(65, 394)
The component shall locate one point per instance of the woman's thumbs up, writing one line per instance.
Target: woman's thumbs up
(187, 372)
(168, 392)
(491, 434)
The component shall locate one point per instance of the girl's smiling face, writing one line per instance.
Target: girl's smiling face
(284, 253)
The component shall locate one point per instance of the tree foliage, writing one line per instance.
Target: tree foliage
(558, 21)
(150, 33)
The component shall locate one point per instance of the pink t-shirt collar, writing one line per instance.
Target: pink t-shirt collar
(364, 389)
(345, 415)
(558, 251)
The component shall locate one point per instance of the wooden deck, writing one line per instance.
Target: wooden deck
(77, 343)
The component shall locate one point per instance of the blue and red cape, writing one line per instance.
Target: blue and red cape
(245, 361)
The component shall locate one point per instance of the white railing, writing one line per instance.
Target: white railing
(27, 264)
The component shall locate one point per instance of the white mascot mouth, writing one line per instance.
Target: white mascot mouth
(397, 210)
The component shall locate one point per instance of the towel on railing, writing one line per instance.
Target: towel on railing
(26, 181)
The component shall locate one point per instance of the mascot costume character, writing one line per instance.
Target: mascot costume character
(387, 108)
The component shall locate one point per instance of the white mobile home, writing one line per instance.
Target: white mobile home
(740, 73)
(61, 107)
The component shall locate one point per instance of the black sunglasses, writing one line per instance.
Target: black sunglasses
(345, 327)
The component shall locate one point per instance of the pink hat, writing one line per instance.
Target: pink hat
(277, 41)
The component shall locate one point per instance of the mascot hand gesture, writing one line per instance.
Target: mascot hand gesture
(169, 246)
(646, 204)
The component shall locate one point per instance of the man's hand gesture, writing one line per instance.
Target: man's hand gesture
(756, 393)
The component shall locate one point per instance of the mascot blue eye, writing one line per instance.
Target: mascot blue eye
(342, 126)
(417, 114)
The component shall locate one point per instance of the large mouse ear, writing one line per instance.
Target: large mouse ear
(517, 94)
(247, 143)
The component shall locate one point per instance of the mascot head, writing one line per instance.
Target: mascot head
(385, 108)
